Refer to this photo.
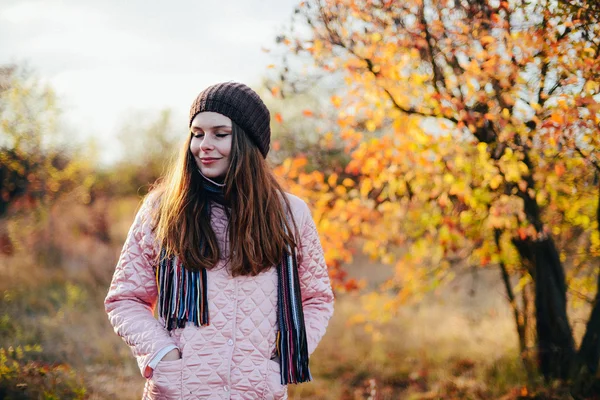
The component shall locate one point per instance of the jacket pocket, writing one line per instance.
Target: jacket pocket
(166, 381)
(274, 390)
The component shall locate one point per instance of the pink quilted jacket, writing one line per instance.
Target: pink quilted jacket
(231, 357)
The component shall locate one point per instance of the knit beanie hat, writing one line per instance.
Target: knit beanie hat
(242, 105)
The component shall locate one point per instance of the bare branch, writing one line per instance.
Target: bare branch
(438, 76)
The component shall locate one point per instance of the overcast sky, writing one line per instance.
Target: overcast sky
(106, 58)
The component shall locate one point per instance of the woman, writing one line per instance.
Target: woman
(233, 264)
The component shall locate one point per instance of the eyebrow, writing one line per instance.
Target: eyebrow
(213, 127)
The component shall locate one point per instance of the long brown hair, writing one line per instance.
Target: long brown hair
(259, 230)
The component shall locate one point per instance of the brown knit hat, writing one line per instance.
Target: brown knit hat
(242, 105)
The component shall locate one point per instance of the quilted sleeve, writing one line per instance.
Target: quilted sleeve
(317, 296)
(132, 295)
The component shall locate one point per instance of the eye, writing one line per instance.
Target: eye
(198, 134)
(222, 135)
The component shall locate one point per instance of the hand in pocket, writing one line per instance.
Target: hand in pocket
(166, 380)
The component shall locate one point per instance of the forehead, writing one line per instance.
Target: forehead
(209, 119)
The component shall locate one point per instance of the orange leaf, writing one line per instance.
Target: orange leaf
(487, 40)
(351, 284)
(275, 91)
(299, 162)
(270, 66)
(558, 118)
(307, 113)
(278, 118)
(559, 169)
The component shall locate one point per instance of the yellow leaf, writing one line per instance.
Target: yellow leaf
(496, 181)
(371, 126)
(348, 182)
(332, 180)
(336, 101)
(340, 190)
(486, 40)
(366, 187)
(524, 281)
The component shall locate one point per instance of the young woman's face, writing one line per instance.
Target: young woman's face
(211, 143)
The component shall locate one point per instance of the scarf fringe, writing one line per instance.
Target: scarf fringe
(182, 293)
(292, 346)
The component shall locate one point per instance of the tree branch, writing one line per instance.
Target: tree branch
(438, 77)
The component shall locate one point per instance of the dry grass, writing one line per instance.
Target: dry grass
(421, 352)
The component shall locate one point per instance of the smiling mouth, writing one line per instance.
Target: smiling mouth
(208, 160)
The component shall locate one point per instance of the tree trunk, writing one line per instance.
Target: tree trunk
(556, 348)
(521, 316)
(555, 344)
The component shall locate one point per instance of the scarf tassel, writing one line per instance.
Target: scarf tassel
(292, 347)
(182, 294)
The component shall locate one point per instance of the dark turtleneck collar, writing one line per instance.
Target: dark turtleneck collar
(215, 191)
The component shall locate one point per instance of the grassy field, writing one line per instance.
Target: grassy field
(457, 343)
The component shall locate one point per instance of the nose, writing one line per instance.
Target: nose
(206, 143)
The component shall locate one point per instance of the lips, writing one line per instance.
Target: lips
(209, 160)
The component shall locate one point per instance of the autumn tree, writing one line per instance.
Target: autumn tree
(36, 165)
(473, 131)
(147, 141)
(294, 130)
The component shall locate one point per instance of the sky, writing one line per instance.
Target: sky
(107, 59)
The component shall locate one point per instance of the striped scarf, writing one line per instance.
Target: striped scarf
(182, 298)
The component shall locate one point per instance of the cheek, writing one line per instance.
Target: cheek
(194, 146)
(226, 147)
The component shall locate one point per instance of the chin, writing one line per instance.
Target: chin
(212, 174)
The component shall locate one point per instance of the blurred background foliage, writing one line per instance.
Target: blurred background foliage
(449, 153)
